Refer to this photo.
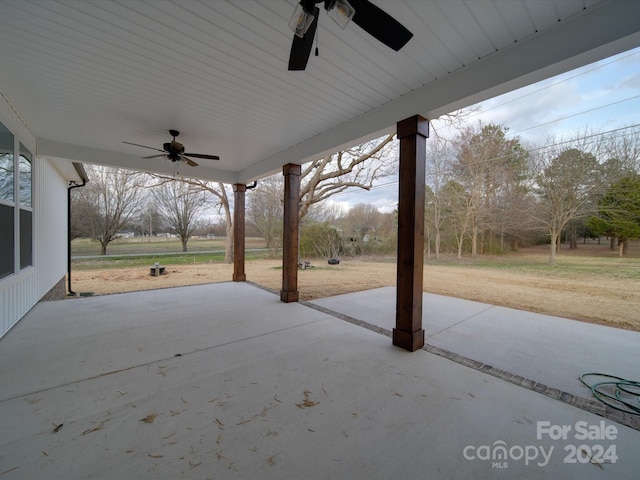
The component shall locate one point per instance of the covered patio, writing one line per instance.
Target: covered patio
(106, 82)
(230, 380)
(157, 385)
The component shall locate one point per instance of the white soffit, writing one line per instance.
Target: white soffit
(88, 75)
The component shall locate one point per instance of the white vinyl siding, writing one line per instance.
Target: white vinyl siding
(38, 206)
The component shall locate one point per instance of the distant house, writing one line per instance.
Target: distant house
(33, 220)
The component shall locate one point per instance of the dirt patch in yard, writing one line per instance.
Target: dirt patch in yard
(579, 296)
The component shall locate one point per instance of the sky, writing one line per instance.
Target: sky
(602, 96)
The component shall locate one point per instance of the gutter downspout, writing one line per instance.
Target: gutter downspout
(72, 185)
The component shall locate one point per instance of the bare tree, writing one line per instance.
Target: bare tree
(150, 220)
(457, 212)
(221, 195)
(487, 163)
(108, 201)
(219, 192)
(439, 156)
(181, 204)
(265, 211)
(566, 182)
(356, 167)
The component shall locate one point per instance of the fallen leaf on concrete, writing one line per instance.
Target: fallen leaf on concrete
(306, 402)
(96, 428)
(149, 418)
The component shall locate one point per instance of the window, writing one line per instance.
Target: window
(7, 203)
(16, 205)
(26, 210)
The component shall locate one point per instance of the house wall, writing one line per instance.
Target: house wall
(51, 241)
(20, 291)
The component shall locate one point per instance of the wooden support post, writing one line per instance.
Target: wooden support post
(412, 134)
(239, 190)
(289, 292)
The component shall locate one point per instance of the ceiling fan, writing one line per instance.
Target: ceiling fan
(371, 18)
(174, 151)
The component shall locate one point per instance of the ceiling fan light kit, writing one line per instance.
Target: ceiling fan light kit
(301, 20)
(371, 18)
(341, 12)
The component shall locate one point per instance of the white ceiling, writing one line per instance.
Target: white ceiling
(87, 75)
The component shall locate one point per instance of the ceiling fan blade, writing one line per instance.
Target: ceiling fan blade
(201, 155)
(143, 146)
(156, 156)
(189, 162)
(379, 24)
(301, 47)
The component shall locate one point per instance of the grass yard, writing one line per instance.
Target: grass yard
(159, 245)
(589, 284)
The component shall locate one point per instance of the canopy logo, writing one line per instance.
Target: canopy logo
(499, 453)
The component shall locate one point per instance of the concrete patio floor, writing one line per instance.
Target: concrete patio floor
(225, 381)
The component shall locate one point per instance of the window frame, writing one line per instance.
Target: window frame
(18, 208)
(25, 259)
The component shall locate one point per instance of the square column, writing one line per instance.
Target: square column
(289, 292)
(239, 190)
(412, 134)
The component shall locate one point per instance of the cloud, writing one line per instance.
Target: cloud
(630, 82)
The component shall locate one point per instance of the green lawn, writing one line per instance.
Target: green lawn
(132, 252)
(589, 259)
(86, 246)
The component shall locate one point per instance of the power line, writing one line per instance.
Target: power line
(575, 114)
(564, 80)
(546, 87)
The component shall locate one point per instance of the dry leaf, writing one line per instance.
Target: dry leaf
(149, 418)
(306, 402)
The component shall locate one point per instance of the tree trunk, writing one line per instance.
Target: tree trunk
(184, 244)
(460, 249)
(553, 247)
(228, 242)
(103, 248)
(474, 239)
(428, 244)
(622, 247)
(573, 237)
(437, 243)
(612, 240)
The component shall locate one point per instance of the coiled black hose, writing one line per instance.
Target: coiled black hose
(615, 392)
